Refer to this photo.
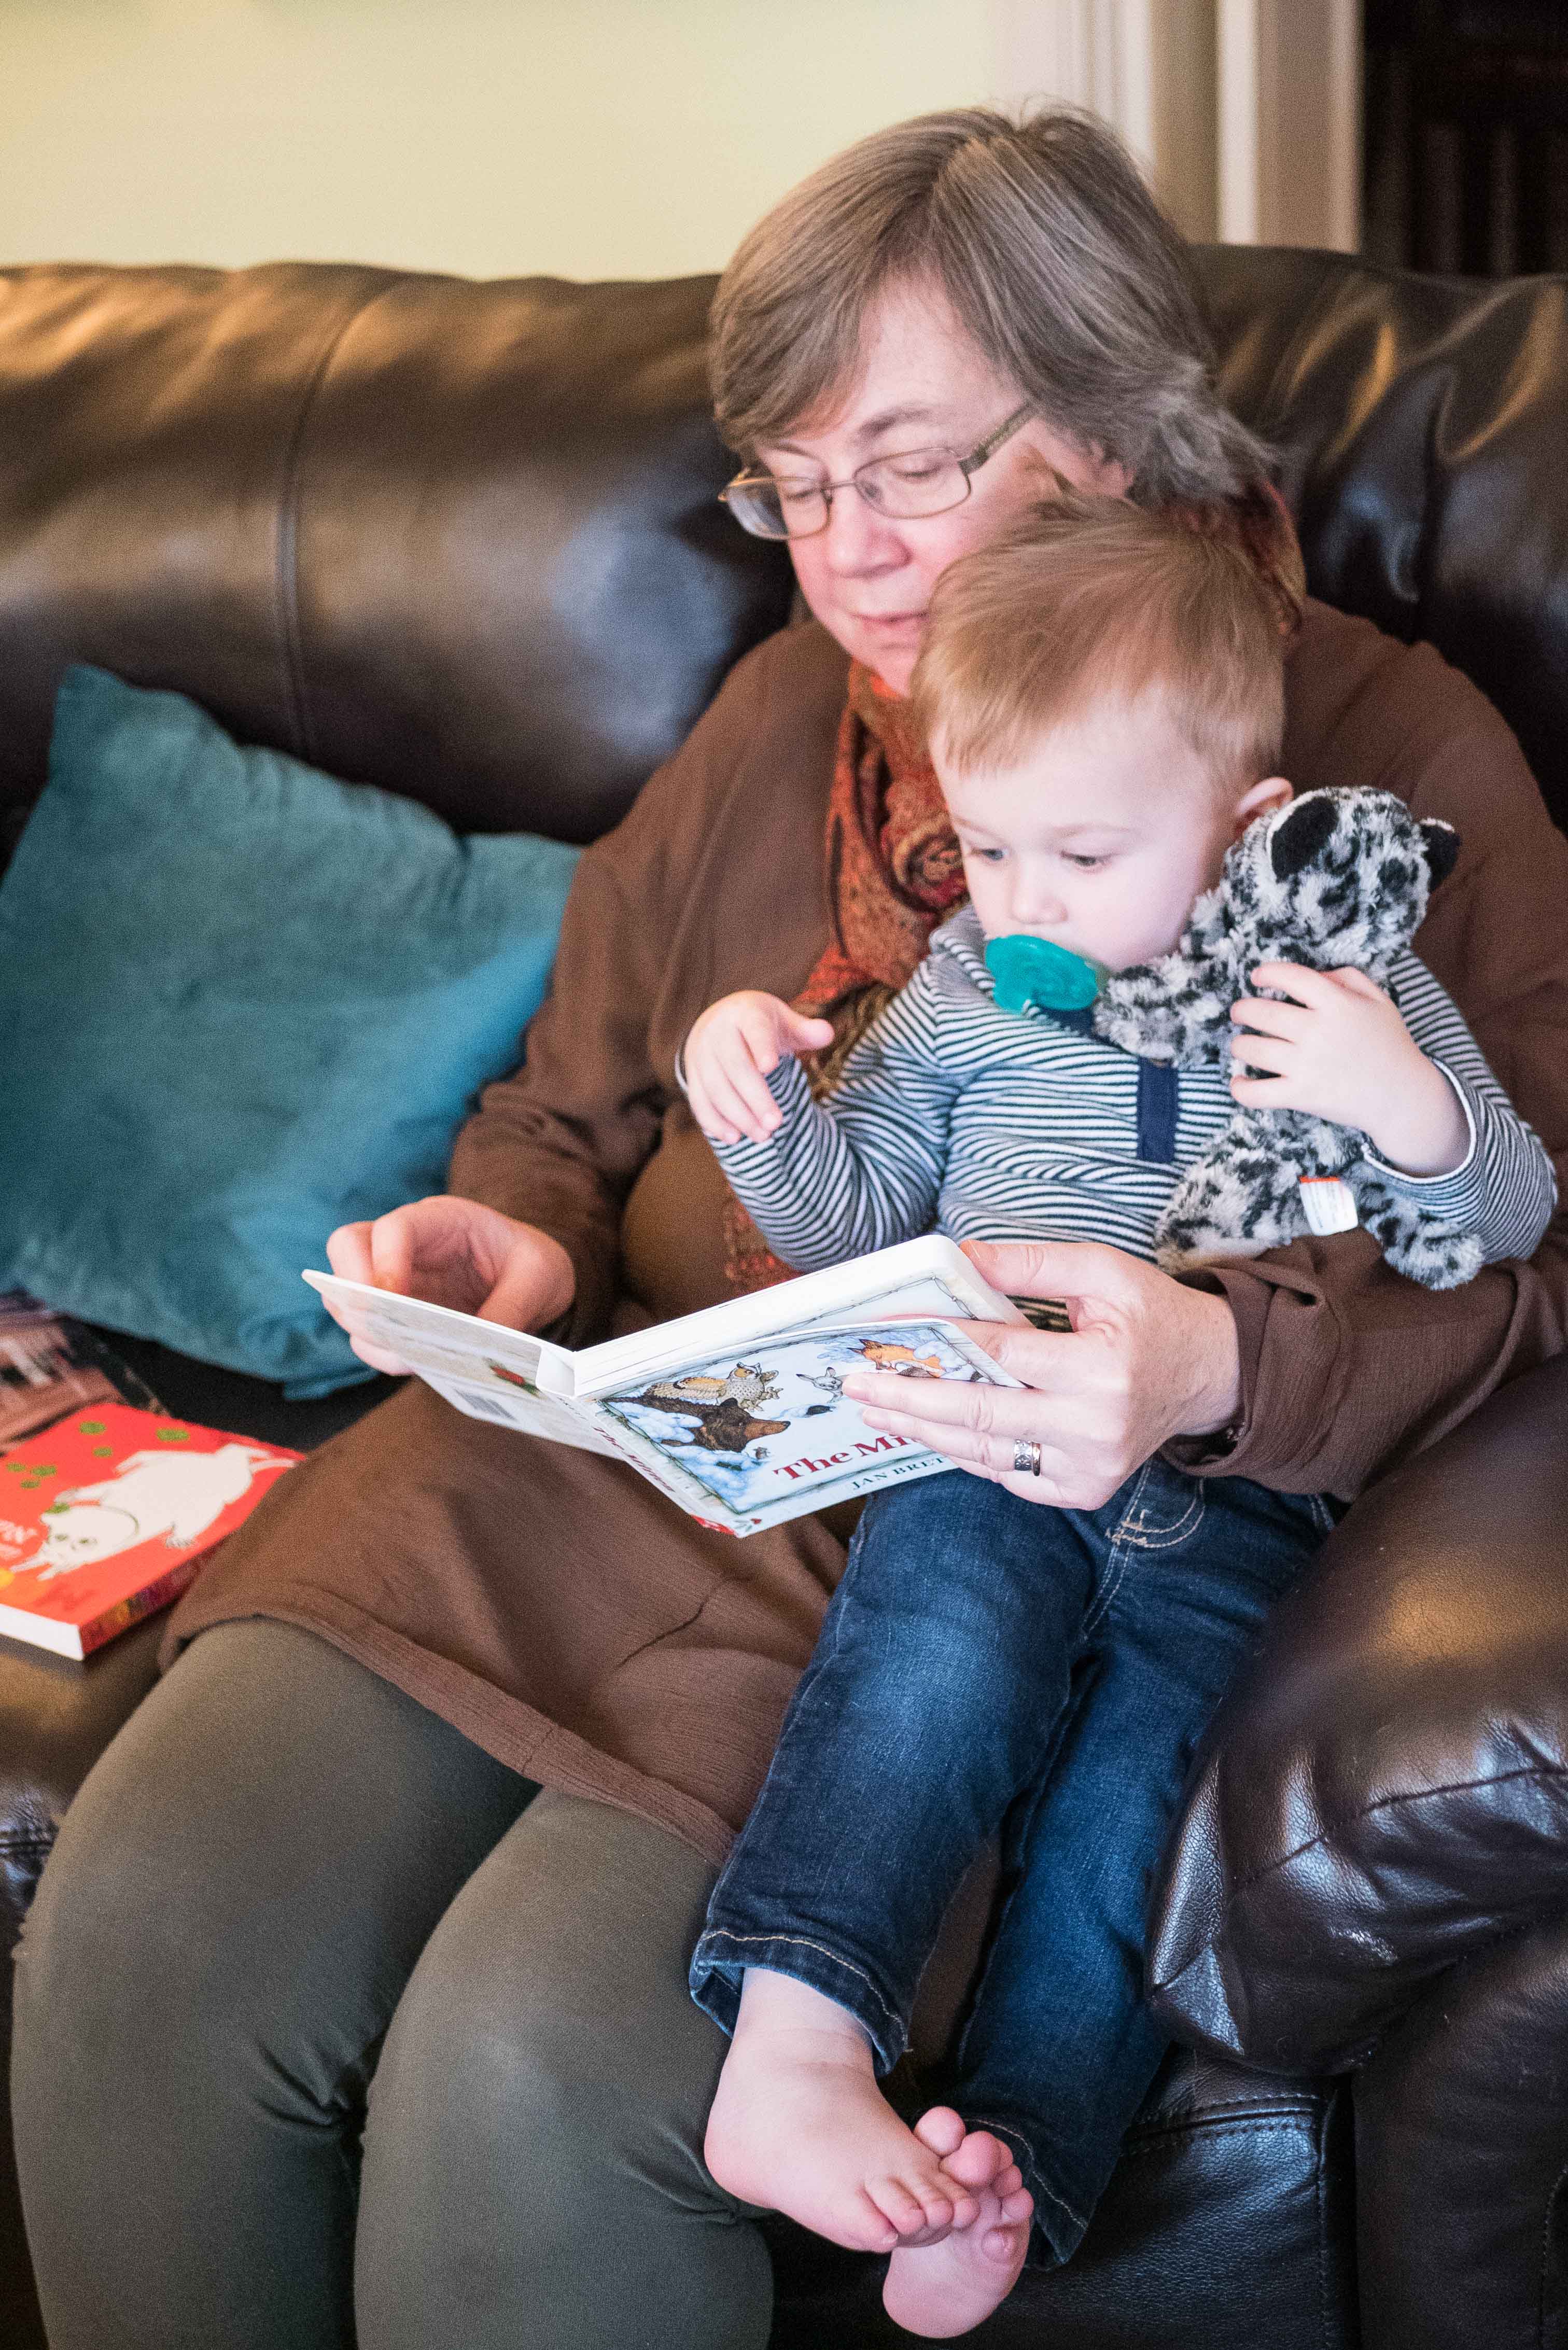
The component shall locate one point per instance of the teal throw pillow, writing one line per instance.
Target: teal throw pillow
(240, 1004)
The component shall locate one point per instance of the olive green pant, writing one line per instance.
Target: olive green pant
(331, 2029)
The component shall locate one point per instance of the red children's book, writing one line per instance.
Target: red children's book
(105, 1516)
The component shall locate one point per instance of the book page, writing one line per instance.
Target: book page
(442, 1344)
(928, 1277)
(931, 1277)
(495, 1398)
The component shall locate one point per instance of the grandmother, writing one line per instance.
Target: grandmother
(353, 2003)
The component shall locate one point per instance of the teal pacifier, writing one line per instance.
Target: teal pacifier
(1031, 971)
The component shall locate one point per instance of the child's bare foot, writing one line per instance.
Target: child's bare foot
(799, 2125)
(950, 2286)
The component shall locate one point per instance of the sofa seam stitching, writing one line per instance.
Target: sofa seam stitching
(287, 565)
(1157, 2143)
(1337, 1827)
(1237, 2110)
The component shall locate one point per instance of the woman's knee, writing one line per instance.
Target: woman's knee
(548, 2014)
(509, 2078)
(542, 2094)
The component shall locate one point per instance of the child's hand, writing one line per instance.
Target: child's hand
(1341, 1051)
(727, 1057)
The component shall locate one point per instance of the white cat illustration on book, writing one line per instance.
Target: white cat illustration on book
(175, 1495)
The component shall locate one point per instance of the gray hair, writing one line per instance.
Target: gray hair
(1051, 253)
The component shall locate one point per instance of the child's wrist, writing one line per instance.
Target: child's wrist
(1425, 1131)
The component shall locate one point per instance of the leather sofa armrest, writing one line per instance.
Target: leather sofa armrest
(1385, 1788)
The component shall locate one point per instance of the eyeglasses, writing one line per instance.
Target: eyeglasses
(906, 487)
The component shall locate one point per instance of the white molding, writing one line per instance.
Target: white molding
(1147, 65)
(1130, 42)
(1239, 60)
(1343, 127)
(1246, 114)
(1035, 54)
(1095, 53)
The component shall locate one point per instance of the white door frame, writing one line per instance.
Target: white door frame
(1245, 113)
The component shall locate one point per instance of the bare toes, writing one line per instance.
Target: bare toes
(979, 2161)
(942, 2129)
(881, 2236)
(937, 2212)
(1019, 2205)
(904, 2210)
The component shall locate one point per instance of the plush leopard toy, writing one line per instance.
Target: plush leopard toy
(1334, 878)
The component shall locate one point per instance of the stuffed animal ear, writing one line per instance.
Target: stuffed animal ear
(1442, 844)
(1300, 833)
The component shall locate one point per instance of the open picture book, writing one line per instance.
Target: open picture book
(738, 1412)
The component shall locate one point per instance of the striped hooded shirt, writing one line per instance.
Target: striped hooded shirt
(954, 1116)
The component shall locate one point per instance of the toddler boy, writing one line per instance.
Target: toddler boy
(1102, 693)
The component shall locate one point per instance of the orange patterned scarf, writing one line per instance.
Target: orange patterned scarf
(893, 867)
(893, 874)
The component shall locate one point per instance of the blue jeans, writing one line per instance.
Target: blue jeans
(989, 1663)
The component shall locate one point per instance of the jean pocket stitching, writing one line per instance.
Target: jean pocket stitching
(1116, 1559)
(1165, 1537)
(1116, 1569)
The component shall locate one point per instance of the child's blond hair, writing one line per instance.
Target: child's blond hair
(1090, 596)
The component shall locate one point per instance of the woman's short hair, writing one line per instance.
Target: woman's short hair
(1092, 597)
(1051, 253)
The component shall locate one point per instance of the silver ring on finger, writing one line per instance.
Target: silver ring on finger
(1026, 1458)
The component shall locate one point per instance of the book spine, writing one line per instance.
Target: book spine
(145, 1602)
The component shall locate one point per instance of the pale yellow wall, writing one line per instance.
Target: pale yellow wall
(591, 138)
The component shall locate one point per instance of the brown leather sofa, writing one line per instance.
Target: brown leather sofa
(461, 540)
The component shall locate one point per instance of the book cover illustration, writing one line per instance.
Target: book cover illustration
(755, 1432)
(105, 1515)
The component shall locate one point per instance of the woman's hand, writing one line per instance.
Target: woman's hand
(1341, 1050)
(1147, 1359)
(453, 1253)
(727, 1057)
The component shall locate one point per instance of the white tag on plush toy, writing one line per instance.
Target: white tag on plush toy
(1328, 1205)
